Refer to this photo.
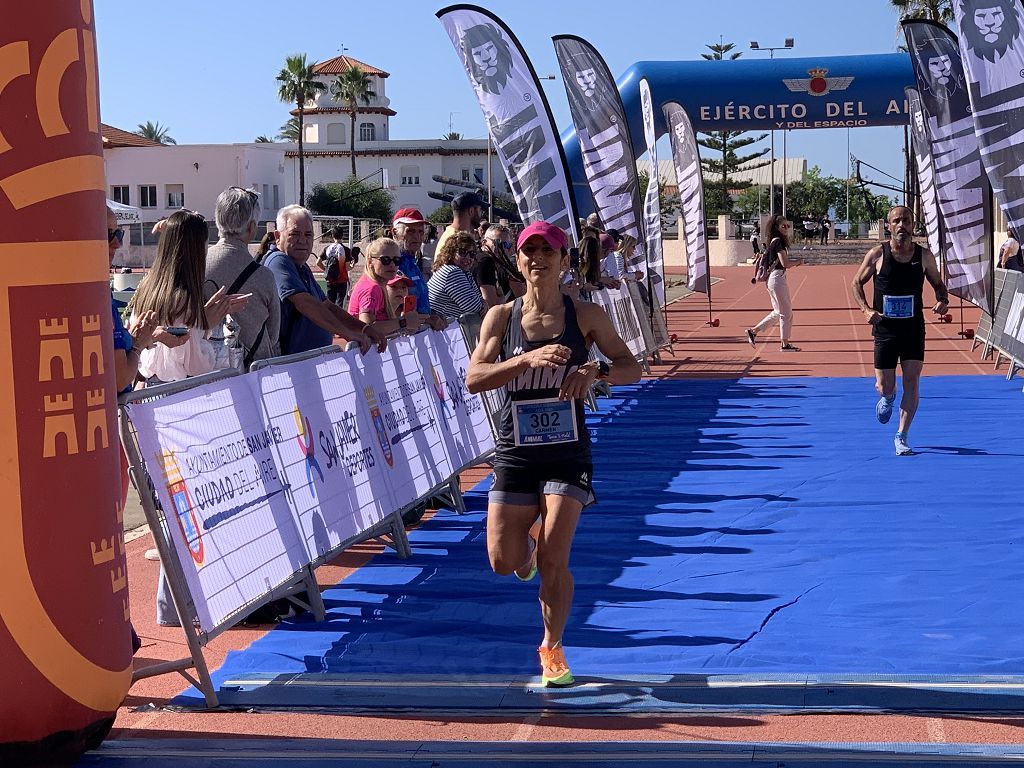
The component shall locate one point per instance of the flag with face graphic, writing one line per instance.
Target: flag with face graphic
(603, 132)
(925, 173)
(962, 191)
(652, 203)
(689, 177)
(517, 114)
(992, 49)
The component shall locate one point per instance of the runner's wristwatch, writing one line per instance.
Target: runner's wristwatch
(603, 369)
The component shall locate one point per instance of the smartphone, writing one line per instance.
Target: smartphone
(176, 330)
(574, 258)
(410, 305)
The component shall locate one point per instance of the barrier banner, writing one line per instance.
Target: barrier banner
(603, 133)
(261, 474)
(961, 187)
(465, 428)
(622, 312)
(328, 457)
(993, 58)
(408, 421)
(64, 617)
(925, 175)
(690, 178)
(212, 459)
(652, 203)
(517, 114)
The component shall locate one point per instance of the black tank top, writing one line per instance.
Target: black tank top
(534, 427)
(898, 294)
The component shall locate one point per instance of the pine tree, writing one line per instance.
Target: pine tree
(719, 170)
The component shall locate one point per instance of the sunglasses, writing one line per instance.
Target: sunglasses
(118, 233)
(466, 253)
(253, 195)
(388, 260)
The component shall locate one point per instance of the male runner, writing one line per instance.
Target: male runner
(899, 268)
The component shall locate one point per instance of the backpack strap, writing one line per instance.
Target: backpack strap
(244, 275)
(247, 360)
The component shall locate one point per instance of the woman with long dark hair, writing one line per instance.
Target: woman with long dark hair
(173, 290)
(777, 232)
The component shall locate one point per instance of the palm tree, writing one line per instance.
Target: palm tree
(290, 130)
(298, 84)
(261, 139)
(154, 132)
(452, 136)
(935, 10)
(351, 88)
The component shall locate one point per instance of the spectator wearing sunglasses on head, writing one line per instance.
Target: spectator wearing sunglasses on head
(453, 292)
(495, 271)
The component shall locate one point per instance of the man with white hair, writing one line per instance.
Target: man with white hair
(229, 264)
(308, 319)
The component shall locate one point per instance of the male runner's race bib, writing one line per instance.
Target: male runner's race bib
(898, 307)
(544, 422)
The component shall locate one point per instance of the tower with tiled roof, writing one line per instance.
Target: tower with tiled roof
(327, 121)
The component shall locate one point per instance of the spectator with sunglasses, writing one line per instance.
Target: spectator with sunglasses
(495, 271)
(453, 292)
(369, 300)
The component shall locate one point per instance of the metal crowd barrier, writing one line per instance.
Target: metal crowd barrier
(390, 531)
(195, 638)
(1002, 333)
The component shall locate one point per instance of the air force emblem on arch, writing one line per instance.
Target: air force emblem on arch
(818, 84)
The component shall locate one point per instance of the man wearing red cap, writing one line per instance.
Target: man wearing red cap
(410, 229)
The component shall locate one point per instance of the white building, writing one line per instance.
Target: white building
(160, 179)
(408, 166)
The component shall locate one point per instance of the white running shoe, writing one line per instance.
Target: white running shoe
(883, 409)
(902, 449)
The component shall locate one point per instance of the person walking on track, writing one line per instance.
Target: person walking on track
(535, 349)
(778, 231)
(898, 268)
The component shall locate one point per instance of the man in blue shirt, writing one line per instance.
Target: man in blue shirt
(409, 230)
(308, 319)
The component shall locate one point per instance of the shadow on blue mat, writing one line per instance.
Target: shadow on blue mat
(745, 527)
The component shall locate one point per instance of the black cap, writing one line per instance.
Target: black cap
(466, 200)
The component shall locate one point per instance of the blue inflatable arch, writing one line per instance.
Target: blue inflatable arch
(760, 95)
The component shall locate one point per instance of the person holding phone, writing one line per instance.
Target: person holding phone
(173, 291)
(369, 301)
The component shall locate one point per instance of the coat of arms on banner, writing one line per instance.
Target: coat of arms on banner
(184, 509)
(378, 426)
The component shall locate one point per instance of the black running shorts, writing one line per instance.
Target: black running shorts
(524, 485)
(894, 349)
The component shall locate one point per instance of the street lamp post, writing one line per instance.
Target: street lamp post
(755, 46)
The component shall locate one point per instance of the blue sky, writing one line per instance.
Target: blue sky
(206, 69)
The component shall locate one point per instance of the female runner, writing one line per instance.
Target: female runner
(536, 350)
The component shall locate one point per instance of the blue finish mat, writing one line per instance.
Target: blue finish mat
(745, 527)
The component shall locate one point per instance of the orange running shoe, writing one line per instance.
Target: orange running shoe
(554, 668)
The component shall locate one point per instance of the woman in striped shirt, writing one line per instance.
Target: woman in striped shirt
(453, 292)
